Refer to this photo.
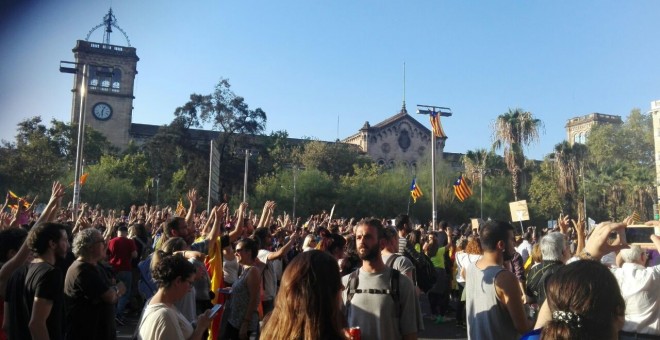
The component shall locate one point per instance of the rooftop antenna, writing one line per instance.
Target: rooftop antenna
(403, 107)
(109, 21)
(338, 127)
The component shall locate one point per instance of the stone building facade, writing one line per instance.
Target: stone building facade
(109, 85)
(578, 128)
(398, 139)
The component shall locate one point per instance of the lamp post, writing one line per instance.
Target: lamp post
(444, 112)
(66, 67)
(248, 153)
(157, 179)
(74, 68)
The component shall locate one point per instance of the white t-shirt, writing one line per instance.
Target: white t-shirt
(160, 322)
(463, 260)
(640, 287)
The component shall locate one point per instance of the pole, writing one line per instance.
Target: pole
(294, 194)
(247, 154)
(433, 147)
(481, 189)
(208, 200)
(584, 189)
(157, 187)
(79, 147)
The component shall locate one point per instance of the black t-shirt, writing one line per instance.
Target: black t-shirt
(87, 315)
(46, 282)
(18, 313)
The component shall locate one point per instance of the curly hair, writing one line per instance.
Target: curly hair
(169, 268)
(84, 241)
(308, 306)
(473, 246)
(39, 237)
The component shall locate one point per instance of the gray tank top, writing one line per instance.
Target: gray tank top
(487, 318)
(239, 300)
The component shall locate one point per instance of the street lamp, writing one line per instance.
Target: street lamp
(248, 153)
(157, 179)
(74, 68)
(444, 112)
(65, 67)
(295, 168)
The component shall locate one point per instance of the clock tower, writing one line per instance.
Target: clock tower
(104, 82)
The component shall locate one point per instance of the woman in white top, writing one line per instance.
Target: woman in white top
(471, 254)
(174, 276)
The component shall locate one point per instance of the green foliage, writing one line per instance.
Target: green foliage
(336, 159)
(42, 154)
(621, 177)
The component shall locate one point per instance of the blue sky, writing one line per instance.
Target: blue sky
(308, 63)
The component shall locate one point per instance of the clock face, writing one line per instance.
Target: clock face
(102, 111)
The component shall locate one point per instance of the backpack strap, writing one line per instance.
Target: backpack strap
(390, 260)
(353, 281)
(394, 291)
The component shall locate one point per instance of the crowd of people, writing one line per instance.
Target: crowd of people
(188, 273)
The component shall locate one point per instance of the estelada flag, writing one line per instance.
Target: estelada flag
(461, 189)
(436, 126)
(415, 191)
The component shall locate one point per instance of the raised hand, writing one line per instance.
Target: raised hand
(563, 223)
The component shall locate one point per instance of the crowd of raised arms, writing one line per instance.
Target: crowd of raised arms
(66, 276)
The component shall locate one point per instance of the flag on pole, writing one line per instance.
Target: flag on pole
(436, 126)
(180, 209)
(415, 191)
(461, 189)
(83, 179)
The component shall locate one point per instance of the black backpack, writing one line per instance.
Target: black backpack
(425, 276)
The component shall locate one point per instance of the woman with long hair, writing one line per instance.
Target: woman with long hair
(161, 320)
(585, 301)
(308, 304)
(243, 314)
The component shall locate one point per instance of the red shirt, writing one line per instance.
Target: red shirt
(120, 250)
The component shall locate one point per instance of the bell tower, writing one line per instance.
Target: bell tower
(104, 82)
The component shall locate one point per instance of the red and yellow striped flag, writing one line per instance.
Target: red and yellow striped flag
(180, 209)
(436, 126)
(461, 189)
(415, 191)
(214, 267)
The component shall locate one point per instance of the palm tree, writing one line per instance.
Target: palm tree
(512, 131)
(475, 161)
(569, 162)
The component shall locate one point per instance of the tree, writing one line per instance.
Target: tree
(569, 160)
(229, 114)
(512, 131)
(335, 159)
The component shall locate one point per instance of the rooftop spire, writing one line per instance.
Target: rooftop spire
(109, 21)
(403, 107)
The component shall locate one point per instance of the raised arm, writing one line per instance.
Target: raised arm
(579, 226)
(239, 228)
(192, 197)
(217, 223)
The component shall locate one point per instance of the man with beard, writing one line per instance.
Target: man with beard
(494, 300)
(378, 299)
(35, 308)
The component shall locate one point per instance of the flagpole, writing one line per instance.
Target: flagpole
(431, 110)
